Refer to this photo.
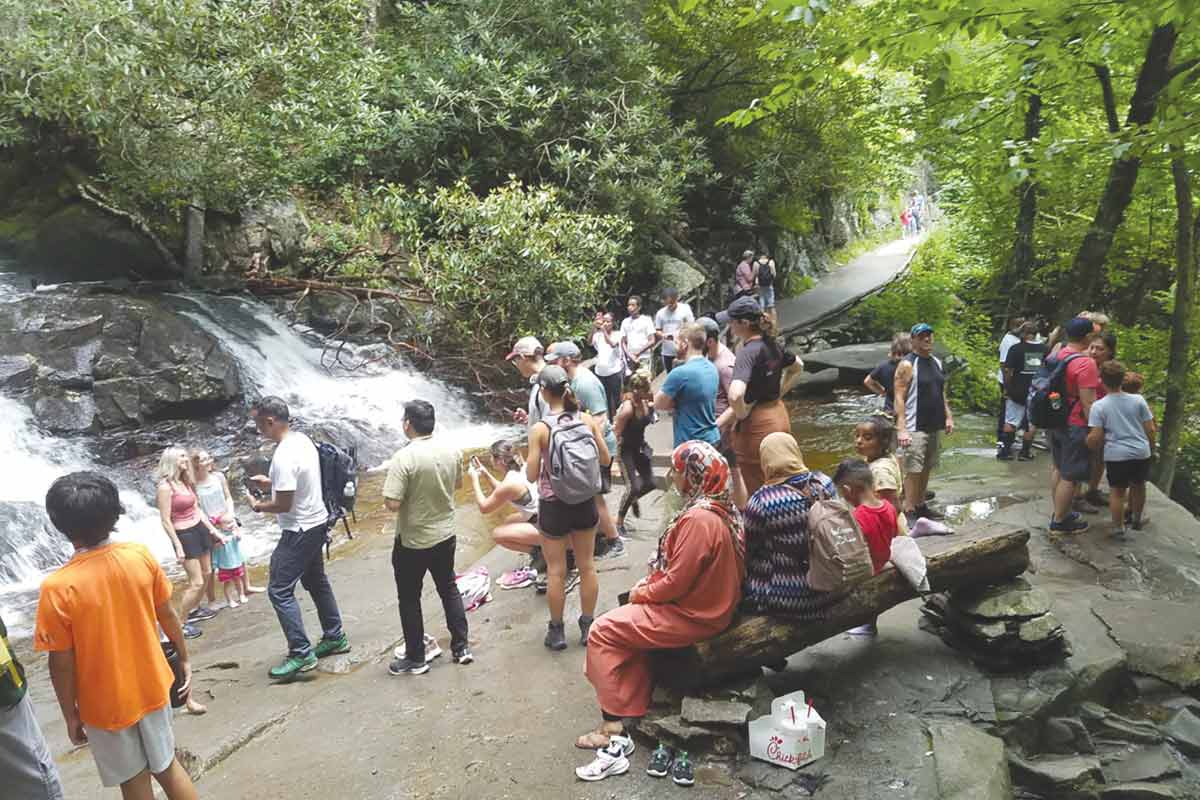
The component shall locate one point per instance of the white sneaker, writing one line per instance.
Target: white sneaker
(432, 650)
(624, 742)
(609, 761)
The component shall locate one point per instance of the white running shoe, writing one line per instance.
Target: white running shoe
(432, 649)
(609, 761)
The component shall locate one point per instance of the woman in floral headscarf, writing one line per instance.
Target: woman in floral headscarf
(691, 593)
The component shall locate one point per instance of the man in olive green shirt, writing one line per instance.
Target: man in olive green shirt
(26, 767)
(420, 488)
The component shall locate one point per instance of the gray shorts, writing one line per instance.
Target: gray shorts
(1014, 413)
(26, 767)
(1070, 452)
(148, 744)
(923, 454)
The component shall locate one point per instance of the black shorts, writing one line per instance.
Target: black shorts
(556, 519)
(196, 540)
(1069, 449)
(1123, 474)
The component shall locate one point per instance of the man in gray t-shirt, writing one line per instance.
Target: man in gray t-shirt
(1123, 425)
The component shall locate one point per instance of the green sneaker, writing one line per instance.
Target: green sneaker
(292, 666)
(332, 647)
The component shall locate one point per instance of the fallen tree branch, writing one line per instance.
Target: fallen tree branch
(94, 196)
(277, 284)
(753, 641)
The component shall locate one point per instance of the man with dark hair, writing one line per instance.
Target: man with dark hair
(26, 766)
(98, 617)
(667, 322)
(637, 336)
(295, 486)
(1022, 362)
(420, 486)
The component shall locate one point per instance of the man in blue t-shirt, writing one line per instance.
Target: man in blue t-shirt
(691, 390)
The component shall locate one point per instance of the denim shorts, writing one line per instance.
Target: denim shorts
(1068, 448)
(766, 296)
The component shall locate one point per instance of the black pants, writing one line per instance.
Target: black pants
(668, 362)
(612, 392)
(1000, 416)
(639, 478)
(409, 567)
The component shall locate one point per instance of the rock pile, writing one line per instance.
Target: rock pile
(1004, 627)
(712, 723)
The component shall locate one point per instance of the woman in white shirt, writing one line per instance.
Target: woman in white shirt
(609, 364)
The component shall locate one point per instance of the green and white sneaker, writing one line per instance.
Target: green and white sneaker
(292, 666)
(332, 647)
(660, 762)
(681, 770)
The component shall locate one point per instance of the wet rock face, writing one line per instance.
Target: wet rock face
(277, 230)
(86, 364)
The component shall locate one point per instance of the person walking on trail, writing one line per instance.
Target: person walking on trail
(1121, 428)
(518, 532)
(526, 356)
(916, 207)
(690, 595)
(691, 392)
(566, 521)
(637, 336)
(1010, 338)
(99, 617)
(745, 275)
(633, 417)
(420, 487)
(763, 372)
(765, 273)
(882, 380)
(27, 768)
(191, 533)
(668, 320)
(724, 360)
(1068, 446)
(1021, 364)
(294, 484)
(922, 414)
(610, 364)
(589, 393)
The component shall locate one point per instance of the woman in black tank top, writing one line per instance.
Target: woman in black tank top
(633, 417)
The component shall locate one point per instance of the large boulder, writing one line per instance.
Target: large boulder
(676, 274)
(1159, 637)
(277, 229)
(969, 764)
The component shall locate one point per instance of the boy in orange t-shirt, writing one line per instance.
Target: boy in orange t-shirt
(98, 616)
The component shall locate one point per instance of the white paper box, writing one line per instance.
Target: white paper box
(775, 739)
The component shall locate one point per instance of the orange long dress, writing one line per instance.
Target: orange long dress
(693, 599)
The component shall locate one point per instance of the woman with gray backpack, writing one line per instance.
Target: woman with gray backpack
(566, 451)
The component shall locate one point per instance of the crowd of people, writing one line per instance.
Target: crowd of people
(740, 537)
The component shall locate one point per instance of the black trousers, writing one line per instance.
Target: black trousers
(612, 392)
(409, 566)
(1000, 417)
(639, 478)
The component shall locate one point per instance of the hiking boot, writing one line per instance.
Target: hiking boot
(1096, 498)
(556, 637)
(201, 614)
(462, 657)
(615, 549)
(660, 762)
(1026, 454)
(610, 760)
(1069, 524)
(681, 770)
(292, 666)
(572, 581)
(585, 624)
(402, 666)
(1004, 453)
(190, 631)
(332, 647)
(1082, 505)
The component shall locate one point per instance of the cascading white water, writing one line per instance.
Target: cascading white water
(274, 358)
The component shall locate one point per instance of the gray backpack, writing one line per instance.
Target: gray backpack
(838, 557)
(574, 460)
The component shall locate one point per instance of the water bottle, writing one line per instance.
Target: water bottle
(349, 489)
(1056, 401)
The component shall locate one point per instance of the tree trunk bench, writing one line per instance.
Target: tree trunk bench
(753, 641)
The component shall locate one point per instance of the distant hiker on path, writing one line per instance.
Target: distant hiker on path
(420, 487)
(922, 414)
(294, 484)
(745, 275)
(765, 273)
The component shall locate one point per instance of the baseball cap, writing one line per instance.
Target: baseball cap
(711, 328)
(1078, 328)
(745, 308)
(553, 377)
(921, 327)
(562, 350)
(525, 346)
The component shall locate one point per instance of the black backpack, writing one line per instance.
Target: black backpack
(339, 482)
(1048, 405)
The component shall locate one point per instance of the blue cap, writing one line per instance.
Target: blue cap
(1078, 328)
(921, 327)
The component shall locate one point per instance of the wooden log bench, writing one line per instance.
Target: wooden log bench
(753, 641)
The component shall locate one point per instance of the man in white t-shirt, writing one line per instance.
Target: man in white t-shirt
(667, 322)
(296, 501)
(1010, 338)
(637, 332)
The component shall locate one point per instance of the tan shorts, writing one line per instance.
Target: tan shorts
(922, 454)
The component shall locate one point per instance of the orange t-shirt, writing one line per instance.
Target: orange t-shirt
(101, 605)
